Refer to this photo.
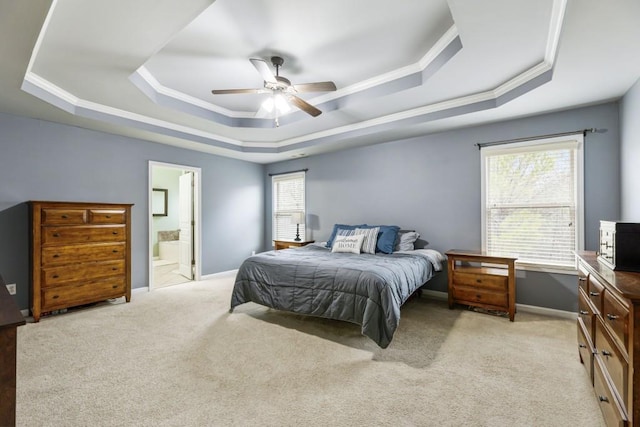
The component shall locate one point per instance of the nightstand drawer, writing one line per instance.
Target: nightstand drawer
(477, 296)
(481, 277)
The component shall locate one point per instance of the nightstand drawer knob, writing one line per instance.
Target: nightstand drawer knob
(64, 216)
(114, 232)
(56, 256)
(612, 316)
(56, 235)
(478, 280)
(55, 297)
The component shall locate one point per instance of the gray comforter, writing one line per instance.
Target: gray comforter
(360, 288)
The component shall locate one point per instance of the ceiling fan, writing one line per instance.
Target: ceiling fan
(278, 85)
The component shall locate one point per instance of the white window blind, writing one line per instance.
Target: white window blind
(532, 201)
(288, 198)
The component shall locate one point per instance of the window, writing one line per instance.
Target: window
(288, 198)
(532, 201)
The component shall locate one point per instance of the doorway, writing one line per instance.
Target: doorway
(174, 224)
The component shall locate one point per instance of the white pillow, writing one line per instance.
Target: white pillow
(406, 239)
(349, 244)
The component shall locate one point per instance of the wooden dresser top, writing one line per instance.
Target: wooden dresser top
(626, 282)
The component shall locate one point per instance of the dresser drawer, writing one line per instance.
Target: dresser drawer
(612, 411)
(583, 278)
(480, 297)
(107, 216)
(596, 291)
(55, 216)
(616, 317)
(612, 360)
(66, 235)
(56, 255)
(485, 278)
(585, 349)
(54, 276)
(585, 313)
(84, 293)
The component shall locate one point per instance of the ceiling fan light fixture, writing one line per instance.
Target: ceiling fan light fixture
(277, 103)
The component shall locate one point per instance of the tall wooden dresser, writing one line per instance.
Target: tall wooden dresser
(609, 337)
(80, 254)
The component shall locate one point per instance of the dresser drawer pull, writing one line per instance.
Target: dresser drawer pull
(56, 234)
(583, 312)
(478, 280)
(55, 276)
(56, 256)
(603, 398)
(114, 268)
(55, 297)
(594, 294)
(64, 216)
(606, 353)
(582, 346)
(612, 316)
(107, 216)
(582, 279)
(115, 251)
(114, 232)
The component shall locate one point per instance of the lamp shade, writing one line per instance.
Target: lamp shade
(297, 218)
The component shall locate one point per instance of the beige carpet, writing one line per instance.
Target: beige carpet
(177, 357)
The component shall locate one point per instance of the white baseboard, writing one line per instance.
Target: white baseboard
(443, 296)
(218, 275)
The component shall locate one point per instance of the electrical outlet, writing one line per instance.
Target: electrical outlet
(11, 287)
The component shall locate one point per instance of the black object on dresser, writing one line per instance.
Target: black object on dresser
(620, 245)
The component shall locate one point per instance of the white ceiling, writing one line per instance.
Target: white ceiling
(145, 68)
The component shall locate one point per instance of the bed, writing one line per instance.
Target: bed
(362, 288)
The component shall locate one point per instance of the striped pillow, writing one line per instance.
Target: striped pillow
(370, 239)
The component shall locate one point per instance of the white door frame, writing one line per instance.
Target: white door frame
(197, 215)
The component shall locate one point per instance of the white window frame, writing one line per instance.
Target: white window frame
(274, 203)
(578, 140)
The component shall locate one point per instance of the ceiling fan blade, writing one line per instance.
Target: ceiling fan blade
(304, 105)
(315, 87)
(232, 91)
(264, 70)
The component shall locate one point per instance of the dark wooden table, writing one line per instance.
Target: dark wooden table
(10, 319)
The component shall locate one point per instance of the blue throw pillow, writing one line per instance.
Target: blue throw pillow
(386, 237)
(336, 227)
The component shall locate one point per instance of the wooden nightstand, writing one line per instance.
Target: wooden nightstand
(492, 288)
(285, 244)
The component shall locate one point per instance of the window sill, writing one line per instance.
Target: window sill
(542, 268)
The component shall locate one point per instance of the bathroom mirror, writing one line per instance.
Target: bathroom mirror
(159, 201)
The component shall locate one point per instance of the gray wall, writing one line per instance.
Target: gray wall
(630, 154)
(432, 184)
(41, 160)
